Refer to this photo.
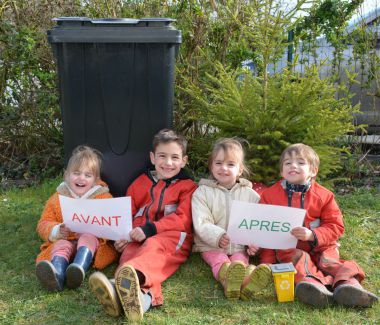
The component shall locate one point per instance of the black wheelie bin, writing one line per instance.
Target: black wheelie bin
(116, 81)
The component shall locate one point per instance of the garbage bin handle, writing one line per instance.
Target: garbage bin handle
(108, 21)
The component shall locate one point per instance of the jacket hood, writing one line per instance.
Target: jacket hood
(100, 188)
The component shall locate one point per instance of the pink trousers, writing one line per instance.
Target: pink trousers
(216, 259)
(68, 248)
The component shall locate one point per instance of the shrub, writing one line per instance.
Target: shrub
(30, 126)
(299, 108)
(30, 122)
(228, 32)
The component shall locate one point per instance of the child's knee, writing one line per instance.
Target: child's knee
(90, 241)
(63, 247)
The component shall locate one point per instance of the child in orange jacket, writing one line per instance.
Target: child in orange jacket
(161, 237)
(322, 277)
(81, 181)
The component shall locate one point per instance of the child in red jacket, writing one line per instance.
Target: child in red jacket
(161, 237)
(322, 277)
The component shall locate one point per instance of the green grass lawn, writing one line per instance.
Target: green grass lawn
(191, 295)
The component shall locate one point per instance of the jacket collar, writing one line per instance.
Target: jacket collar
(300, 188)
(151, 173)
(100, 188)
(213, 183)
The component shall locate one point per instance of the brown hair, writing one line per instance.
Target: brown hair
(166, 136)
(85, 156)
(302, 150)
(232, 148)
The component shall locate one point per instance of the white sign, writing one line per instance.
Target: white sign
(266, 226)
(104, 218)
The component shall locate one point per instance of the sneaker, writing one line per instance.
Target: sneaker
(256, 280)
(351, 294)
(128, 288)
(104, 290)
(234, 277)
(312, 292)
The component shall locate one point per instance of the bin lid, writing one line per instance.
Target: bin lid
(282, 268)
(114, 30)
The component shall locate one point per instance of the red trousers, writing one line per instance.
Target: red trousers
(325, 265)
(157, 258)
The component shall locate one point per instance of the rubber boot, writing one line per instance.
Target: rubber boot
(350, 293)
(223, 271)
(312, 292)
(231, 276)
(77, 269)
(256, 279)
(52, 274)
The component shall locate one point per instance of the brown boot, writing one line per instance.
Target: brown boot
(256, 279)
(231, 276)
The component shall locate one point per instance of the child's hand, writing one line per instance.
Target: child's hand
(252, 250)
(137, 234)
(302, 233)
(224, 241)
(120, 245)
(64, 231)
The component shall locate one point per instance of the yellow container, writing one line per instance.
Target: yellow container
(283, 275)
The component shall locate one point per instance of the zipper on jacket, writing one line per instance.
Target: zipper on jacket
(160, 201)
(228, 201)
(290, 195)
(302, 199)
(152, 201)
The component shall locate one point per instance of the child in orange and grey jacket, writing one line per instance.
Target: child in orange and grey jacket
(322, 277)
(82, 181)
(161, 237)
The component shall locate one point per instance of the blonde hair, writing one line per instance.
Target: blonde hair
(233, 149)
(84, 156)
(301, 150)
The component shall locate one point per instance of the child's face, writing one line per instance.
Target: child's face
(81, 180)
(225, 170)
(296, 169)
(168, 160)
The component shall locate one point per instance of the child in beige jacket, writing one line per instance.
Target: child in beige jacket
(211, 204)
